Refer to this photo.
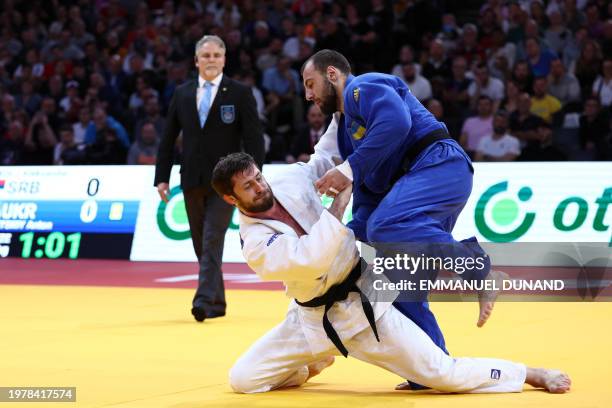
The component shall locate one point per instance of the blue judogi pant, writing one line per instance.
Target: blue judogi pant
(422, 207)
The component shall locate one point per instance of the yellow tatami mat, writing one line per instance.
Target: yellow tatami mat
(129, 347)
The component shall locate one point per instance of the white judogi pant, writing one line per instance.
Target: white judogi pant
(280, 358)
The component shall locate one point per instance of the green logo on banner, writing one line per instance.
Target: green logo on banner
(178, 216)
(504, 213)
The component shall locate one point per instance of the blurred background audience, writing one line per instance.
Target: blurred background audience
(89, 82)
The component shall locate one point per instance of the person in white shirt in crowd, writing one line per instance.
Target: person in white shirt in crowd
(418, 84)
(498, 146)
(405, 56)
(602, 87)
(486, 85)
(80, 127)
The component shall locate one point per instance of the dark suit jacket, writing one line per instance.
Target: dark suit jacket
(232, 124)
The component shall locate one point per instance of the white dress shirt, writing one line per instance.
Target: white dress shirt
(213, 91)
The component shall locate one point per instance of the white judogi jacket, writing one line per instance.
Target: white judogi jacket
(311, 264)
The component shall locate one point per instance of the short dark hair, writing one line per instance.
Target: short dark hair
(325, 58)
(226, 168)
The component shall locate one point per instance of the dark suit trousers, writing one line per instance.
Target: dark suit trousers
(209, 216)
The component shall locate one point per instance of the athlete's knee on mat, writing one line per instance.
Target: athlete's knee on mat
(244, 381)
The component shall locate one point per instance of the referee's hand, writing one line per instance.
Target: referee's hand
(162, 190)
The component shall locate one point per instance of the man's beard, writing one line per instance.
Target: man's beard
(264, 204)
(329, 101)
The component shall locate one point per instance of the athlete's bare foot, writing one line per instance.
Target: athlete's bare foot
(486, 298)
(553, 381)
(316, 367)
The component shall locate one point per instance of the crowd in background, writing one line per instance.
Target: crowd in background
(89, 81)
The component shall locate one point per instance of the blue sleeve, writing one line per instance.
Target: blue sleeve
(266, 82)
(387, 123)
(121, 132)
(90, 134)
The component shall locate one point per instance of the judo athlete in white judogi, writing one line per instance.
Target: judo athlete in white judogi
(287, 235)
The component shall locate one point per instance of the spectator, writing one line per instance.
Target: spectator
(419, 85)
(499, 145)
(71, 103)
(115, 76)
(602, 87)
(562, 85)
(283, 86)
(543, 104)
(437, 63)
(557, 35)
(588, 66)
(476, 127)
(8, 112)
(152, 115)
(593, 20)
(455, 97)
(405, 56)
(468, 45)
(144, 150)
(364, 41)
(333, 37)
(307, 136)
(522, 76)
(102, 121)
(79, 128)
(450, 33)
(40, 141)
(594, 128)
(485, 85)
(541, 148)
(523, 123)
(539, 59)
(67, 151)
(28, 99)
(510, 102)
(107, 148)
(12, 147)
(574, 48)
(538, 14)
(248, 78)
(501, 55)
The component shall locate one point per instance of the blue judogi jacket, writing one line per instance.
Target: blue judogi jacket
(382, 120)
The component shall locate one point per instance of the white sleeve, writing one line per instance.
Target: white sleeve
(345, 168)
(276, 256)
(515, 145)
(324, 152)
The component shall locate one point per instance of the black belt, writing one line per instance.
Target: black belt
(337, 293)
(416, 149)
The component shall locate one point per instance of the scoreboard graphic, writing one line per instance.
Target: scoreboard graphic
(69, 212)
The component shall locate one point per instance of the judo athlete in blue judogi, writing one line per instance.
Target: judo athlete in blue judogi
(410, 179)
